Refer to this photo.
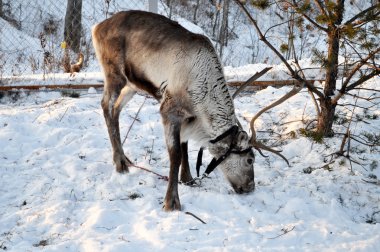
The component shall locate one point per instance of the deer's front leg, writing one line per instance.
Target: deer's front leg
(172, 134)
(185, 169)
(172, 119)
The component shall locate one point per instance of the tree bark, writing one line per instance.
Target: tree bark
(332, 63)
(326, 117)
(196, 12)
(1, 8)
(223, 34)
(73, 26)
(289, 53)
(216, 18)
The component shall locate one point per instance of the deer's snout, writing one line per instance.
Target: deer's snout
(245, 188)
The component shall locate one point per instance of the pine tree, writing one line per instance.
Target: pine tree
(357, 33)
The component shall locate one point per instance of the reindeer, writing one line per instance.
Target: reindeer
(141, 51)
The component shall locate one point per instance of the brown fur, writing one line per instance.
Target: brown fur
(145, 51)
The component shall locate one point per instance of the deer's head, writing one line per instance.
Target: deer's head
(233, 153)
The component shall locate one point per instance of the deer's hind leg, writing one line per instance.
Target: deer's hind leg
(116, 94)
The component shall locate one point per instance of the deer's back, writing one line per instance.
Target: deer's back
(150, 46)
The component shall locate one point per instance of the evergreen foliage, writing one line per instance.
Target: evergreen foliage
(260, 4)
(352, 35)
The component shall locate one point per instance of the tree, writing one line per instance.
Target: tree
(355, 32)
(1, 8)
(196, 7)
(5, 13)
(73, 26)
(223, 33)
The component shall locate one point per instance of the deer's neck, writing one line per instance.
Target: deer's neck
(211, 96)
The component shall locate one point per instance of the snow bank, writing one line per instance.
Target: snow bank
(59, 190)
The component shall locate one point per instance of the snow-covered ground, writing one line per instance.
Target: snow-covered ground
(59, 190)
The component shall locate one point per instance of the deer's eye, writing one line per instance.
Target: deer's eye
(190, 119)
(250, 161)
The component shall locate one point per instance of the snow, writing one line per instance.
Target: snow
(60, 191)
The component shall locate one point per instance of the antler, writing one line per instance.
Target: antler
(257, 145)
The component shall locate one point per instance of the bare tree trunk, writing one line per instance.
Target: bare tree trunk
(216, 18)
(73, 26)
(8, 17)
(223, 34)
(195, 11)
(170, 5)
(326, 117)
(289, 53)
(1, 8)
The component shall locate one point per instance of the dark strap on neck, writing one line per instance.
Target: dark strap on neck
(231, 131)
(215, 162)
(199, 160)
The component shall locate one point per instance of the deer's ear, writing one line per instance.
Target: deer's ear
(242, 139)
(242, 136)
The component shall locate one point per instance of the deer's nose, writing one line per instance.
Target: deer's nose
(249, 187)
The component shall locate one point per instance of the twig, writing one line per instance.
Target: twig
(284, 231)
(309, 123)
(282, 124)
(361, 141)
(348, 148)
(63, 114)
(196, 217)
(134, 119)
(151, 151)
(341, 150)
(166, 178)
(377, 182)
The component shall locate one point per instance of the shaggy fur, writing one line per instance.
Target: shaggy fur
(145, 51)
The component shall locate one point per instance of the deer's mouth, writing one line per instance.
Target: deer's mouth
(249, 187)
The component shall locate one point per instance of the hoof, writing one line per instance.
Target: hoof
(187, 180)
(172, 204)
(122, 164)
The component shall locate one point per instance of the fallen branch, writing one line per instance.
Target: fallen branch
(196, 217)
(63, 114)
(376, 182)
(166, 178)
(284, 231)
